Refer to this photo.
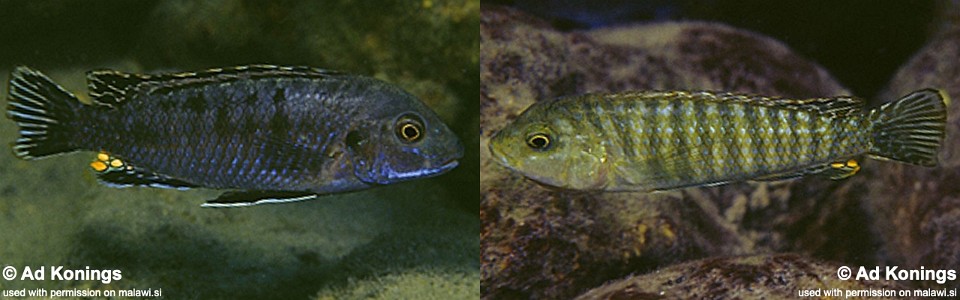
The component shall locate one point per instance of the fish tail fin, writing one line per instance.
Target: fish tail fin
(911, 129)
(45, 113)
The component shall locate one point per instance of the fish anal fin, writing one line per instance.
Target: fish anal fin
(836, 170)
(842, 169)
(698, 184)
(793, 174)
(250, 198)
(114, 172)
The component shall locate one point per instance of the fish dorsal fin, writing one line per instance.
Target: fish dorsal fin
(831, 107)
(110, 88)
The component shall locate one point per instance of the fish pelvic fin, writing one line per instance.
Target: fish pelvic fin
(911, 129)
(250, 198)
(44, 111)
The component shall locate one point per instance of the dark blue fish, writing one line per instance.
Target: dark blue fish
(267, 133)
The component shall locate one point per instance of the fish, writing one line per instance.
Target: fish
(262, 133)
(651, 141)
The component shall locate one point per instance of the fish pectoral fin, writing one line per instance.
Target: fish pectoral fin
(114, 172)
(250, 198)
(645, 174)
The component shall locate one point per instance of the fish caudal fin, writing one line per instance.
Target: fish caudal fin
(43, 110)
(911, 129)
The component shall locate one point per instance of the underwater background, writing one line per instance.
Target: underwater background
(738, 240)
(416, 240)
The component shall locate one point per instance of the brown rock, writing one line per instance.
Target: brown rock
(917, 210)
(780, 276)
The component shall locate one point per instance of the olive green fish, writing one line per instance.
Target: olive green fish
(646, 141)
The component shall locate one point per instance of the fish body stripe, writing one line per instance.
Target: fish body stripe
(765, 141)
(729, 125)
(782, 134)
(650, 162)
(717, 129)
(793, 137)
(692, 141)
(815, 141)
(745, 135)
(668, 145)
(803, 137)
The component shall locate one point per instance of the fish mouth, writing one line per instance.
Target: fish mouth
(425, 173)
(497, 155)
(448, 166)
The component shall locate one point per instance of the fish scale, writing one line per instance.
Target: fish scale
(662, 140)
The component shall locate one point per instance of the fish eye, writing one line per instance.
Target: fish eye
(409, 128)
(538, 141)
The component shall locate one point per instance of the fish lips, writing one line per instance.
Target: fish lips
(499, 156)
(424, 173)
(389, 176)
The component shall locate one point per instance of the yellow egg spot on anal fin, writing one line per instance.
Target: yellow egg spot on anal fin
(116, 163)
(843, 170)
(853, 164)
(98, 166)
(103, 156)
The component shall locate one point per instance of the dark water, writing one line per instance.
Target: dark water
(414, 240)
